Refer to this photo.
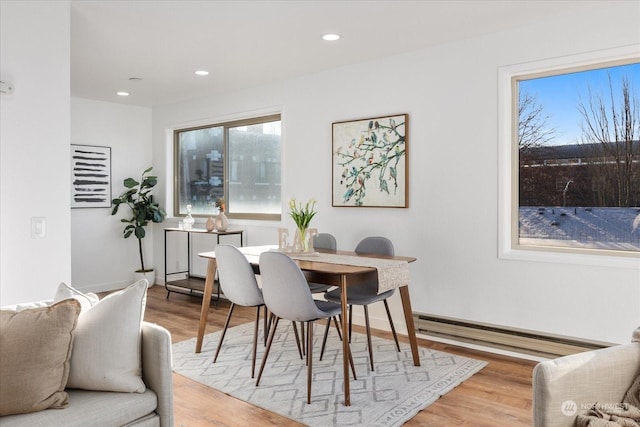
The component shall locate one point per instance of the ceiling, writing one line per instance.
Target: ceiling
(250, 43)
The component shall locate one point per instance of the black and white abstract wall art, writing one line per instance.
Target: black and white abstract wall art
(90, 176)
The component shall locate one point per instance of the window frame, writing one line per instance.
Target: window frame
(508, 160)
(226, 125)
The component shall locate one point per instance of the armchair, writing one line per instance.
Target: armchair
(567, 386)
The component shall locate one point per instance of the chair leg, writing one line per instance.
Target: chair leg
(295, 332)
(272, 333)
(309, 358)
(335, 321)
(266, 326)
(350, 321)
(302, 340)
(324, 340)
(224, 331)
(326, 333)
(393, 329)
(366, 321)
(255, 342)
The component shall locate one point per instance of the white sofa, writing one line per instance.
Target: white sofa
(154, 407)
(567, 386)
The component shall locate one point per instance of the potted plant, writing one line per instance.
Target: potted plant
(140, 201)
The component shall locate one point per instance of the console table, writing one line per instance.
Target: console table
(192, 284)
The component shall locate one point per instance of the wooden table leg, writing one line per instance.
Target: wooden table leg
(411, 329)
(345, 340)
(206, 301)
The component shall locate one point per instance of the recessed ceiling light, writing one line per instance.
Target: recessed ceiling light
(202, 72)
(331, 37)
(122, 93)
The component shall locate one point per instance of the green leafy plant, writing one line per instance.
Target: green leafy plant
(139, 199)
(302, 216)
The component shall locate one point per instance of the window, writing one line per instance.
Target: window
(238, 161)
(573, 156)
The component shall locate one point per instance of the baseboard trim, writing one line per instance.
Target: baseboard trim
(504, 338)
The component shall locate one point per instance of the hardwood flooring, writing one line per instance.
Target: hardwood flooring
(499, 395)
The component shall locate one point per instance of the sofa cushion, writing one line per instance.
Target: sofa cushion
(86, 300)
(35, 347)
(93, 408)
(106, 346)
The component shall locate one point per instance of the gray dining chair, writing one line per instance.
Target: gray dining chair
(325, 241)
(287, 296)
(366, 293)
(239, 285)
(322, 241)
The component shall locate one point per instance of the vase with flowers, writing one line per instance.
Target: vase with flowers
(302, 216)
(222, 222)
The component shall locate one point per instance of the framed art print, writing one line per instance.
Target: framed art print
(90, 176)
(370, 162)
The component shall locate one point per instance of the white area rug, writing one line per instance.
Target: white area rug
(390, 396)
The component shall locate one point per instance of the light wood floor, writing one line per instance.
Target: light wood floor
(499, 395)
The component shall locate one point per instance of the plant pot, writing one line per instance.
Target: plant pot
(150, 275)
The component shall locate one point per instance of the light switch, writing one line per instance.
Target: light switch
(38, 229)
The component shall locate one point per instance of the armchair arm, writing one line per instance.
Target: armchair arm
(156, 369)
(585, 378)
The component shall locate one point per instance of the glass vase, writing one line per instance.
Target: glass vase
(188, 221)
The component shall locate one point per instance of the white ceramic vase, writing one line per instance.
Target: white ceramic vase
(150, 275)
(222, 222)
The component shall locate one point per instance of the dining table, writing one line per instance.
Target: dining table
(336, 268)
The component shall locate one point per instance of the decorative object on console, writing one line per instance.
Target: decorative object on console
(139, 199)
(222, 222)
(211, 224)
(370, 162)
(188, 221)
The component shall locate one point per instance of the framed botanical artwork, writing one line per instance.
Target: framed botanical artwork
(90, 176)
(370, 167)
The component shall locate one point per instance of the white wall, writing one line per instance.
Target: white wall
(101, 258)
(34, 149)
(451, 226)
(450, 93)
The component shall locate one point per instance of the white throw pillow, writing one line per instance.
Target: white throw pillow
(106, 342)
(65, 291)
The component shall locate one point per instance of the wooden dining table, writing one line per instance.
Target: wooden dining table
(340, 275)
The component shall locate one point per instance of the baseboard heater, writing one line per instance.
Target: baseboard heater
(511, 339)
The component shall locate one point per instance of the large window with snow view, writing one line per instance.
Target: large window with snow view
(576, 159)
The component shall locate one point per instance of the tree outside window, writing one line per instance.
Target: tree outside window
(578, 139)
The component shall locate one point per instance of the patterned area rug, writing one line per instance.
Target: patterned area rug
(390, 396)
